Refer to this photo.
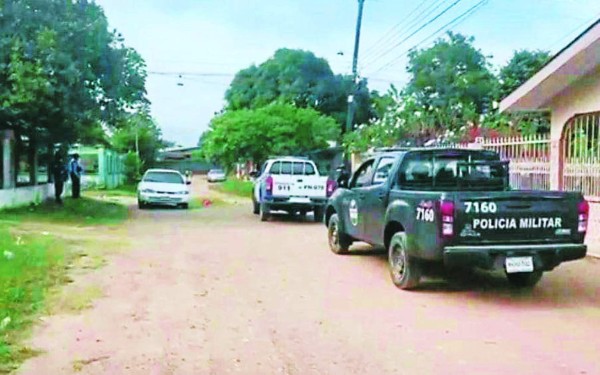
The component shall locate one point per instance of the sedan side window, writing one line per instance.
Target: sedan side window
(363, 175)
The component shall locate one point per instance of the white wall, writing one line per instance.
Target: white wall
(25, 195)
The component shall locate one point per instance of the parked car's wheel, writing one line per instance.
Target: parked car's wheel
(184, 206)
(404, 269)
(339, 242)
(264, 212)
(524, 279)
(141, 205)
(319, 213)
(255, 206)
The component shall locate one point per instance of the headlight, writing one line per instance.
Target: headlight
(148, 191)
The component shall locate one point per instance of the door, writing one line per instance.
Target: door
(353, 201)
(376, 201)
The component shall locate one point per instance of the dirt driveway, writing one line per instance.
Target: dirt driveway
(215, 291)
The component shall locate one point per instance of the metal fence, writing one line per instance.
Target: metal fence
(529, 158)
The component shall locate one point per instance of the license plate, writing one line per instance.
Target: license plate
(299, 200)
(519, 264)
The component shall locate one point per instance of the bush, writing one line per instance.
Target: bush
(133, 167)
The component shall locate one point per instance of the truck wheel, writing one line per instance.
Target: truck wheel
(319, 213)
(404, 270)
(524, 279)
(339, 242)
(264, 212)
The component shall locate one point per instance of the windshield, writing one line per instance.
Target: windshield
(163, 177)
(216, 171)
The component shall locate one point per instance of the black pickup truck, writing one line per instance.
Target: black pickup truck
(454, 207)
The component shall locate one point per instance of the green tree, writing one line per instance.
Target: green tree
(300, 78)
(254, 134)
(522, 66)
(135, 132)
(64, 73)
(451, 74)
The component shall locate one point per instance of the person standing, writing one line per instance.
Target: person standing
(75, 172)
(59, 175)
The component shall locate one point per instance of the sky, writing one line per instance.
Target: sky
(208, 41)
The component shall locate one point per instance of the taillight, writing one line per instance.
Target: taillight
(331, 186)
(269, 187)
(447, 213)
(583, 211)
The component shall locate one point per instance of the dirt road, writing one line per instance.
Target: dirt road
(215, 291)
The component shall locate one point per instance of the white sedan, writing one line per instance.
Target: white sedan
(216, 175)
(163, 187)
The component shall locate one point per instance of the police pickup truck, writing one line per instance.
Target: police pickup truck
(454, 207)
(291, 184)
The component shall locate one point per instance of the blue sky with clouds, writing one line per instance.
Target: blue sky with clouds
(211, 40)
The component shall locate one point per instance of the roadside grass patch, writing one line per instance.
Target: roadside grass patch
(235, 186)
(82, 211)
(127, 190)
(75, 301)
(30, 266)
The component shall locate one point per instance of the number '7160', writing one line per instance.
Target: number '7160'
(481, 207)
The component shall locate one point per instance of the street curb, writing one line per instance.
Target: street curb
(597, 256)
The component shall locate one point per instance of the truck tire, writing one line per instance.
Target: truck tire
(264, 212)
(339, 242)
(524, 279)
(404, 269)
(319, 213)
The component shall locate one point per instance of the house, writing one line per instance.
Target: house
(22, 180)
(568, 86)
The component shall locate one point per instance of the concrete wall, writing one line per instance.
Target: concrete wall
(581, 97)
(25, 195)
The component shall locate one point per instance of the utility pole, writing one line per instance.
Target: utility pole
(351, 103)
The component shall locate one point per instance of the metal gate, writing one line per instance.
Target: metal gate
(580, 155)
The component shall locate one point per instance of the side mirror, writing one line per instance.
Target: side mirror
(253, 174)
(188, 182)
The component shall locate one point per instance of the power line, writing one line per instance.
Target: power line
(580, 26)
(419, 18)
(389, 33)
(422, 27)
(193, 74)
(456, 21)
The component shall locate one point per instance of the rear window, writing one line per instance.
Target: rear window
(453, 170)
(275, 168)
(286, 167)
(163, 177)
(298, 169)
(309, 170)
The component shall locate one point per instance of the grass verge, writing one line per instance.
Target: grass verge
(127, 190)
(30, 266)
(82, 211)
(235, 187)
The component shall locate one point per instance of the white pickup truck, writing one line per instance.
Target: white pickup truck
(291, 184)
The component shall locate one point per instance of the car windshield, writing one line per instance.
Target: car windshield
(217, 171)
(163, 177)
